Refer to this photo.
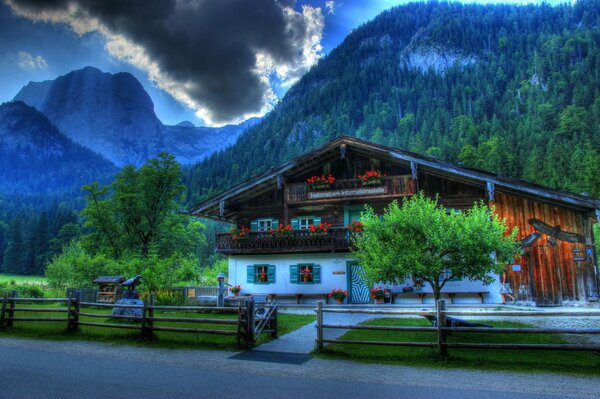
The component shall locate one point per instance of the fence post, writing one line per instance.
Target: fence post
(3, 312)
(70, 317)
(250, 322)
(77, 310)
(11, 309)
(441, 323)
(147, 315)
(239, 325)
(273, 322)
(320, 326)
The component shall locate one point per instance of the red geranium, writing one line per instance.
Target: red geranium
(355, 226)
(321, 228)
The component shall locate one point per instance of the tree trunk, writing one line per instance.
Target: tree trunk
(437, 290)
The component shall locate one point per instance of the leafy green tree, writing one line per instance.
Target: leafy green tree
(137, 211)
(425, 240)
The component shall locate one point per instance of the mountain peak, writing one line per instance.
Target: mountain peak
(113, 115)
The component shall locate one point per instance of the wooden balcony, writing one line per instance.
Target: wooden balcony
(342, 190)
(337, 239)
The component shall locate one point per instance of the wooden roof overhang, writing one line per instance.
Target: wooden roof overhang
(331, 150)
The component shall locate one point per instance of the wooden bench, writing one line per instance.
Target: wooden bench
(273, 297)
(450, 294)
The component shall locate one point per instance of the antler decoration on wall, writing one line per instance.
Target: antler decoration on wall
(556, 233)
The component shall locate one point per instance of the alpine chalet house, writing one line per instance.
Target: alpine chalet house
(291, 238)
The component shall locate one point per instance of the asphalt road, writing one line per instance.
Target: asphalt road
(40, 369)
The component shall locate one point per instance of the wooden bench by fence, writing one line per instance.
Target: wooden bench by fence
(249, 327)
(422, 295)
(442, 330)
(299, 297)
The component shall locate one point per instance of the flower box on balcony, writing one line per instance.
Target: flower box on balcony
(320, 182)
(242, 233)
(370, 178)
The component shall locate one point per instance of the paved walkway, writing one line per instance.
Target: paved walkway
(303, 339)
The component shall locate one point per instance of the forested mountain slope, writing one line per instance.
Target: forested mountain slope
(510, 89)
(36, 159)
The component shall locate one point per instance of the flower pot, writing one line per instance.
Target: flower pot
(340, 301)
(377, 300)
(236, 294)
(320, 186)
(372, 182)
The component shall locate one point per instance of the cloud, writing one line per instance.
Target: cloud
(31, 62)
(216, 57)
(330, 6)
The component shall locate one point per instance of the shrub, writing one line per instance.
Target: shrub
(75, 268)
(208, 275)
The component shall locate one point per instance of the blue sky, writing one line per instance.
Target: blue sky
(35, 48)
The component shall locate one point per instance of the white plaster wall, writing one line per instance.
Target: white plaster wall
(330, 263)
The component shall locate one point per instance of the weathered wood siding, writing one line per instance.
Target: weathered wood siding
(548, 271)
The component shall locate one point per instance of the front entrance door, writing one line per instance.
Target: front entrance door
(358, 289)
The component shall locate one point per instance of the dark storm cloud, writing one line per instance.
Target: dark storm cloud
(203, 52)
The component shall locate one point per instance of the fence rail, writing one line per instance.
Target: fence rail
(249, 325)
(442, 330)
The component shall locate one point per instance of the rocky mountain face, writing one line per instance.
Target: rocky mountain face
(113, 115)
(35, 158)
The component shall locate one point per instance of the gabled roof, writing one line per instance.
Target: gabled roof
(265, 181)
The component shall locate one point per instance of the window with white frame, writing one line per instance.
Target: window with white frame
(264, 224)
(304, 223)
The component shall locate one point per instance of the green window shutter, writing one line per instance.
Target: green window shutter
(295, 224)
(317, 274)
(271, 274)
(250, 274)
(316, 221)
(254, 225)
(294, 274)
(274, 223)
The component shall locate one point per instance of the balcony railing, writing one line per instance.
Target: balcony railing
(337, 239)
(390, 186)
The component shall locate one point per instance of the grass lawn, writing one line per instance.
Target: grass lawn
(57, 330)
(20, 279)
(570, 362)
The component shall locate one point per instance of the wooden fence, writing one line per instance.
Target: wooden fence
(249, 323)
(442, 330)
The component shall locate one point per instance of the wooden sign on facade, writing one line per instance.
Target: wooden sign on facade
(352, 192)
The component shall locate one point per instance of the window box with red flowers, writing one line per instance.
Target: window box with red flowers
(320, 182)
(355, 227)
(240, 234)
(370, 178)
(306, 274)
(261, 274)
(378, 294)
(319, 229)
(282, 231)
(339, 295)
